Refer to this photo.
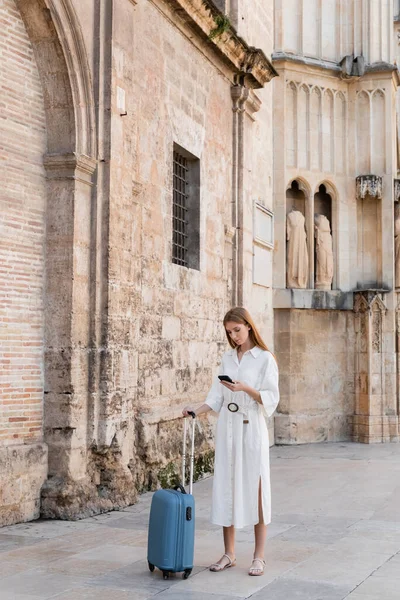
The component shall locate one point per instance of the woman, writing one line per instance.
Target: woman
(241, 490)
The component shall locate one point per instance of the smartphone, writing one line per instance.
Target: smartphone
(225, 378)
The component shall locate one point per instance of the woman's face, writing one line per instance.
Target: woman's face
(238, 332)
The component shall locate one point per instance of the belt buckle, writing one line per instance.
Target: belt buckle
(233, 407)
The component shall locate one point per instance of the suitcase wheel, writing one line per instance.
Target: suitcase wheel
(165, 574)
(151, 567)
(186, 573)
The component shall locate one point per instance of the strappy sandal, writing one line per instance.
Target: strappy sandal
(216, 567)
(256, 571)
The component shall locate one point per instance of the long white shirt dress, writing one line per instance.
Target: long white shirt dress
(242, 449)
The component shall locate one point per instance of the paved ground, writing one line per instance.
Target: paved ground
(335, 535)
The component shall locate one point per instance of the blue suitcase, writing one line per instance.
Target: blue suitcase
(171, 527)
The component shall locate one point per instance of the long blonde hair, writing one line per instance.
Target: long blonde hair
(241, 315)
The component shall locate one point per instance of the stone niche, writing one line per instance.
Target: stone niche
(297, 237)
(323, 243)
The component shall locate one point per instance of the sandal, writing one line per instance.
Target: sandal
(216, 567)
(257, 571)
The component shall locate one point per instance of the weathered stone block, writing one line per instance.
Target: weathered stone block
(23, 471)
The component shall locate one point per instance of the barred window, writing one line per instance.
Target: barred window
(186, 209)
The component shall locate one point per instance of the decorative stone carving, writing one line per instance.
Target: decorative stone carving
(324, 253)
(397, 249)
(369, 184)
(297, 253)
(396, 190)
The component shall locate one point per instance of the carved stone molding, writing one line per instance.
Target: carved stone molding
(369, 301)
(369, 184)
(70, 166)
(252, 105)
(249, 64)
(239, 95)
(396, 190)
(229, 234)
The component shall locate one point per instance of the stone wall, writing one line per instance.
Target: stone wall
(23, 457)
(315, 350)
(166, 334)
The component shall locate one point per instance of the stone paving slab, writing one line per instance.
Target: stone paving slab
(289, 588)
(335, 535)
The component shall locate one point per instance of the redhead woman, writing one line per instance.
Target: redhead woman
(241, 489)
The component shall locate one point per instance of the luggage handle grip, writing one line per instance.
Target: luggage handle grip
(180, 488)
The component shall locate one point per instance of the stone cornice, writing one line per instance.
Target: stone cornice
(370, 69)
(69, 166)
(278, 57)
(250, 65)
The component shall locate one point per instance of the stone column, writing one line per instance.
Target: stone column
(239, 94)
(375, 418)
(67, 330)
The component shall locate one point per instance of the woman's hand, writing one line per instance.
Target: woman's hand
(238, 386)
(186, 410)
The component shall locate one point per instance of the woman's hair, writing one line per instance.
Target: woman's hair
(240, 315)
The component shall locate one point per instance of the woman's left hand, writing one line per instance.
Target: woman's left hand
(235, 387)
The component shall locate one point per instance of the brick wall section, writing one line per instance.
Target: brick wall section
(22, 218)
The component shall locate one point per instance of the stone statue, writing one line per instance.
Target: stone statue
(324, 253)
(397, 249)
(297, 253)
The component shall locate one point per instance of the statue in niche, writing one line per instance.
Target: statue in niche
(297, 253)
(397, 248)
(324, 253)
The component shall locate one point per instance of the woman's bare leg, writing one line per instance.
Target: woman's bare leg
(229, 541)
(229, 544)
(260, 536)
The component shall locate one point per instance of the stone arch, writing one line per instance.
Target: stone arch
(340, 133)
(363, 123)
(298, 198)
(291, 126)
(57, 40)
(303, 119)
(330, 188)
(304, 186)
(316, 116)
(70, 245)
(378, 148)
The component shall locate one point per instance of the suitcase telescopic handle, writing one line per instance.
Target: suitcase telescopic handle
(192, 414)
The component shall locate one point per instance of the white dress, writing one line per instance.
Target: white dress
(242, 449)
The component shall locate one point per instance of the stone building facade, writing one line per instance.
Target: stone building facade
(106, 331)
(336, 155)
(110, 112)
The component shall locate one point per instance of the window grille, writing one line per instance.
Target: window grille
(180, 208)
